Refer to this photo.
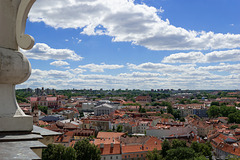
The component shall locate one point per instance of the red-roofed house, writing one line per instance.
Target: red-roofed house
(139, 151)
(44, 101)
(110, 151)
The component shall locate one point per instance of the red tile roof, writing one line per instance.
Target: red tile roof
(109, 134)
(51, 98)
(110, 149)
(33, 99)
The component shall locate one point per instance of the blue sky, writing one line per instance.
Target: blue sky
(141, 44)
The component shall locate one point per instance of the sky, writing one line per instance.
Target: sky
(134, 44)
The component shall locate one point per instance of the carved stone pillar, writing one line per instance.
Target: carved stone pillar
(14, 66)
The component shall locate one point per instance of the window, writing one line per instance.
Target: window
(116, 157)
(111, 157)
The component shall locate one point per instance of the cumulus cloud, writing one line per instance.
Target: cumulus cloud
(187, 79)
(140, 74)
(223, 67)
(223, 56)
(191, 57)
(101, 67)
(59, 63)
(42, 51)
(77, 70)
(198, 57)
(126, 21)
(162, 68)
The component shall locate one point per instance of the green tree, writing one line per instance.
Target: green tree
(213, 111)
(205, 150)
(43, 109)
(234, 117)
(201, 158)
(119, 128)
(178, 143)
(176, 114)
(215, 104)
(182, 101)
(154, 155)
(202, 149)
(70, 154)
(170, 109)
(180, 153)
(195, 101)
(141, 109)
(225, 111)
(182, 119)
(86, 150)
(234, 127)
(195, 147)
(21, 99)
(59, 152)
(161, 111)
(165, 147)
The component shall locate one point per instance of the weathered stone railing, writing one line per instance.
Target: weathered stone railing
(14, 66)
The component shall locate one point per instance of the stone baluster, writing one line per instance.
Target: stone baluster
(14, 66)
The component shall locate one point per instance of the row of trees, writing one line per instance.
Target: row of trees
(81, 150)
(223, 111)
(178, 150)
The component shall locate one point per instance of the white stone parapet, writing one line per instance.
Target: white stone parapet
(14, 66)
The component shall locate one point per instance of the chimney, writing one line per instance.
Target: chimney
(112, 145)
(101, 145)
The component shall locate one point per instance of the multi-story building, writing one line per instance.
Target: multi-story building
(103, 109)
(51, 102)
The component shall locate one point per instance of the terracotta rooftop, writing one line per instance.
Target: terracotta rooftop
(109, 134)
(109, 149)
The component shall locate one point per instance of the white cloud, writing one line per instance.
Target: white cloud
(191, 57)
(59, 63)
(42, 51)
(125, 21)
(77, 70)
(232, 68)
(187, 79)
(223, 56)
(162, 68)
(160, 10)
(198, 57)
(101, 67)
(140, 74)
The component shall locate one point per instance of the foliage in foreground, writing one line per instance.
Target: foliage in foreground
(82, 150)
